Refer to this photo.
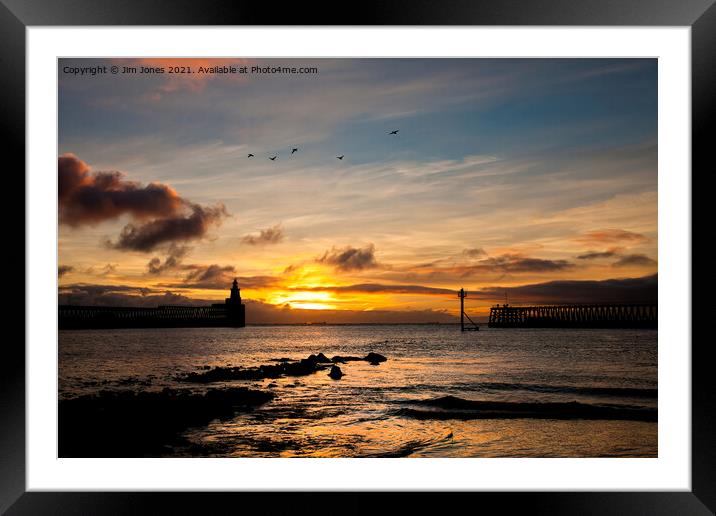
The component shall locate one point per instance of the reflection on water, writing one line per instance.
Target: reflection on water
(362, 414)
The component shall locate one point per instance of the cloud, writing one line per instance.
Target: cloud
(375, 288)
(292, 268)
(64, 269)
(505, 263)
(518, 263)
(217, 277)
(627, 290)
(122, 295)
(108, 269)
(147, 237)
(474, 253)
(272, 235)
(211, 276)
(634, 260)
(350, 258)
(594, 255)
(175, 254)
(606, 236)
(88, 198)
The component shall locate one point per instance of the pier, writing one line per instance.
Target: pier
(230, 314)
(574, 316)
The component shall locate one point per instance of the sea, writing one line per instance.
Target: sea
(440, 393)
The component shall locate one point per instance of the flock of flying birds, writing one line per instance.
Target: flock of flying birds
(295, 149)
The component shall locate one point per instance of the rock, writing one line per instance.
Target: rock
(335, 373)
(338, 359)
(375, 358)
(323, 359)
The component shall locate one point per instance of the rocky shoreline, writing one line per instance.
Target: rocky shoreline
(145, 423)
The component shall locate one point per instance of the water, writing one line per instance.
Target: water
(364, 414)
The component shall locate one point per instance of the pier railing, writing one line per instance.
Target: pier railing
(90, 317)
(574, 316)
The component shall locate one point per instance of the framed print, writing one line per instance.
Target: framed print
(423, 252)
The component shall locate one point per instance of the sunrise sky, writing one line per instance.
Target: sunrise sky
(535, 179)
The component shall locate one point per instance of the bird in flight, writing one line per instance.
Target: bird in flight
(340, 157)
(250, 156)
(294, 150)
(272, 158)
(394, 132)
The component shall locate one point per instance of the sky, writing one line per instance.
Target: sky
(520, 180)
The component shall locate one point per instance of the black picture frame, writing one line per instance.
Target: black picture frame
(700, 15)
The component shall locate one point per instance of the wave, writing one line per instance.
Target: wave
(611, 392)
(451, 407)
(619, 392)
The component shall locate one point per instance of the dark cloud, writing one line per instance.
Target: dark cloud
(476, 252)
(607, 236)
(64, 269)
(517, 263)
(161, 215)
(634, 260)
(595, 255)
(104, 270)
(505, 263)
(272, 235)
(350, 258)
(122, 295)
(108, 269)
(291, 268)
(628, 290)
(87, 197)
(217, 277)
(211, 276)
(180, 228)
(175, 254)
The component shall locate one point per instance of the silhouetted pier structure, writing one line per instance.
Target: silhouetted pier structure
(574, 316)
(230, 314)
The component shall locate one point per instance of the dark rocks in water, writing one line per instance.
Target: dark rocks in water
(319, 359)
(372, 358)
(303, 367)
(143, 424)
(284, 367)
(338, 359)
(323, 359)
(282, 359)
(375, 358)
(335, 373)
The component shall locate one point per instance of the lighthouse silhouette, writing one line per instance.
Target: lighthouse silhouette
(236, 310)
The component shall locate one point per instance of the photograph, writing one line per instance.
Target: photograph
(357, 257)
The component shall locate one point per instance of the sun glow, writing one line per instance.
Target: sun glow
(304, 300)
(312, 306)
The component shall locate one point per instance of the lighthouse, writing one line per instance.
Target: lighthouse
(236, 310)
